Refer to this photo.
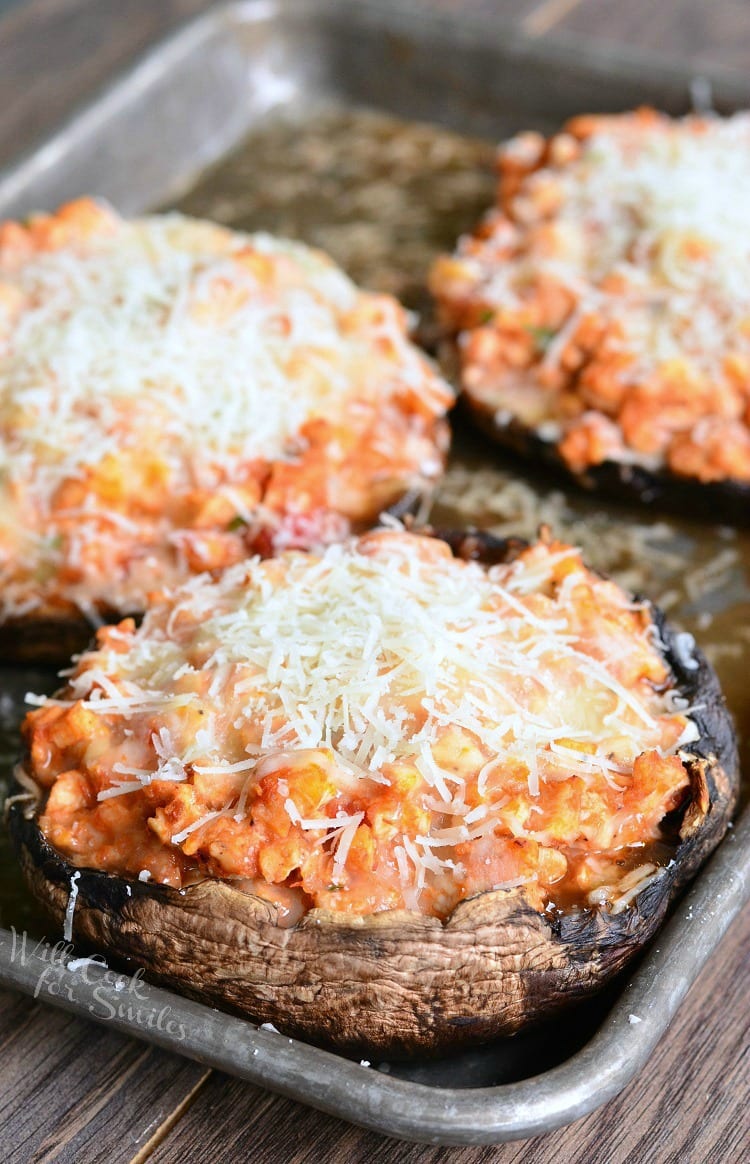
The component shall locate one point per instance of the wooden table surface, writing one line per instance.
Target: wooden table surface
(73, 1091)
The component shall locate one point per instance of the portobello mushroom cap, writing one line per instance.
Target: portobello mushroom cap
(125, 473)
(727, 500)
(48, 636)
(548, 309)
(396, 982)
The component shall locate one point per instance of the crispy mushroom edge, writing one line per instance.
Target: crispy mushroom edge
(50, 635)
(727, 501)
(395, 983)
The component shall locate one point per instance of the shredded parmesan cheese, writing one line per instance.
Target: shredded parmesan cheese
(385, 706)
(70, 907)
(606, 301)
(152, 374)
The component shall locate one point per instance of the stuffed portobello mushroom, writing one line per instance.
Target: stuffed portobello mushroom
(601, 312)
(175, 397)
(398, 796)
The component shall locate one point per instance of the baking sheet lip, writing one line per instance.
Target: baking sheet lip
(16, 174)
(627, 62)
(421, 1112)
(442, 1115)
(564, 48)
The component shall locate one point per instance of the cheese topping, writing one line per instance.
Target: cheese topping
(167, 385)
(379, 726)
(608, 298)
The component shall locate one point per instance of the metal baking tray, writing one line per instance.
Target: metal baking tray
(317, 85)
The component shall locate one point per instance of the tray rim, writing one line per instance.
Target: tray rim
(402, 1108)
(625, 63)
(620, 1048)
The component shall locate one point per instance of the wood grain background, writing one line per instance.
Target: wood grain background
(74, 1092)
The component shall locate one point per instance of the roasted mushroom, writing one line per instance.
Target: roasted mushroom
(177, 396)
(390, 798)
(599, 317)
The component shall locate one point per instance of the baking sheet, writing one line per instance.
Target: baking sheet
(320, 120)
